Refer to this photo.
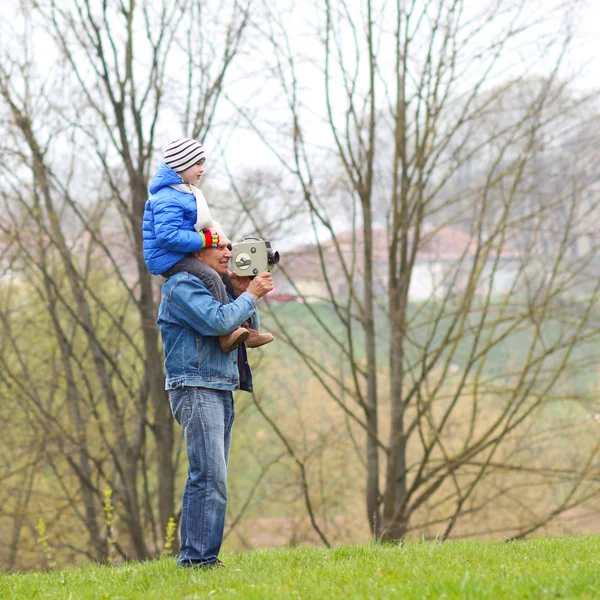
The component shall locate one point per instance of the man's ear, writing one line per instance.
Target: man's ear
(198, 255)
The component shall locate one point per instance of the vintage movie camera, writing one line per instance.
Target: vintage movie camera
(252, 256)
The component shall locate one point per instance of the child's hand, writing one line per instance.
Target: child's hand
(211, 238)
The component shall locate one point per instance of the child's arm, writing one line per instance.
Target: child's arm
(168, 223)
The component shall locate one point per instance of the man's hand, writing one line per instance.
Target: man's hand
(260, 286)
(238, 283)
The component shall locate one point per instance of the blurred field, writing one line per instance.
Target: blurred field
(563, 429)
(267, 505)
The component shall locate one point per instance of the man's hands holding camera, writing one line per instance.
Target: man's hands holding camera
(259, 286)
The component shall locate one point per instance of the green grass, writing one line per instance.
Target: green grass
(541, 568)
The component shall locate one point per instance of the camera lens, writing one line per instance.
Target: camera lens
(273, 257)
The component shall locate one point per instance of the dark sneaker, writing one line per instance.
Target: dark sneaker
(217, 564)
(199, 564)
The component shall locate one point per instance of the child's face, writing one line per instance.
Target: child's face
(192, 174)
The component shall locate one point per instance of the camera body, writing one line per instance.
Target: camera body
(252, 256)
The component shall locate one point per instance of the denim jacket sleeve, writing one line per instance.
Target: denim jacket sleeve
(254, 318)
(193, 306)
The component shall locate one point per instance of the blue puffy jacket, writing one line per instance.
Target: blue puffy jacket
(168, 225)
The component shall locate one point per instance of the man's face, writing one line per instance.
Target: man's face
(192, 174)
(217, 258)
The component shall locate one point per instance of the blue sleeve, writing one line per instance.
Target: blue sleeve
(194, 307)
(168, 226)
(254, 319)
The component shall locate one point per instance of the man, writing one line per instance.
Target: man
(200, 378)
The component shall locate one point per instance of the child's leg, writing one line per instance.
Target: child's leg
(216, 287)
(255, 339)
(208, 275)
(220, 286)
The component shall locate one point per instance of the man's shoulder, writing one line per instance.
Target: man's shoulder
(180, 282)
(184, 283)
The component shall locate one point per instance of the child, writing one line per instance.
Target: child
(177, 222)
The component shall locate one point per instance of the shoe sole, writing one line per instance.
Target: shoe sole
(240, 340)
(260, 344)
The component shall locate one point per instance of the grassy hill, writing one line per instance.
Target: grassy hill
(541, 568)
(501, 358)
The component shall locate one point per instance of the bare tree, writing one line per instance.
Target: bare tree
(417, 126)
(83, 138)
(436, 120)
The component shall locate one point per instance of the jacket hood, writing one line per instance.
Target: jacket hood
(164, 176)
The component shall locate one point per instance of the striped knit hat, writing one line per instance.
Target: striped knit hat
(181, 154)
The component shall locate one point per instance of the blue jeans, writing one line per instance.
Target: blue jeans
(206, 416)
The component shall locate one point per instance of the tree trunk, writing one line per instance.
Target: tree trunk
(371, 414)
(162, 427)
(394, 525)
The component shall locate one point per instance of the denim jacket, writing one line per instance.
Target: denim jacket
(190, 319)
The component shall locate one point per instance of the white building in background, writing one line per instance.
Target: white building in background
(444, 263)
(442, 267)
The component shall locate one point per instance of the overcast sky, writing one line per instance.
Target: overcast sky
(240, 147)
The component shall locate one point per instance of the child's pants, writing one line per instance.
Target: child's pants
(218, 287)
(207, 274)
